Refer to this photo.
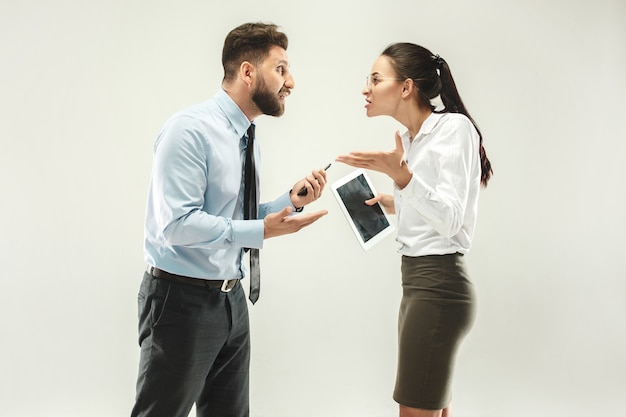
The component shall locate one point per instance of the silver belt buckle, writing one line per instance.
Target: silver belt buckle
(225, 286)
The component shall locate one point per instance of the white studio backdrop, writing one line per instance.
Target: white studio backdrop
(85, 85)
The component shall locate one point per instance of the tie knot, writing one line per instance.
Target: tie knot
(251, 131)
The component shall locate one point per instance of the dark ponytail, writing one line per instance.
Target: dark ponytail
(431, 74)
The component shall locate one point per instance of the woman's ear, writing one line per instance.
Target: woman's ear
(408, 87)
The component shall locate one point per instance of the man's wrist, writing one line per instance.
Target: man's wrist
(297, 209)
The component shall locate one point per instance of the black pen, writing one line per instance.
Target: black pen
(304, 191)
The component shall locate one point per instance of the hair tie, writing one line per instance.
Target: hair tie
(439, 61)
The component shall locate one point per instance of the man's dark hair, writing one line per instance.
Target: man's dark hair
(249, 42)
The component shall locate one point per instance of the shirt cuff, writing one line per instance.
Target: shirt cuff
(248, 233)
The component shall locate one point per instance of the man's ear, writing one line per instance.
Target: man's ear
(247, 72)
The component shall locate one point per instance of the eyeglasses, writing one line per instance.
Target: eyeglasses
(371, 80)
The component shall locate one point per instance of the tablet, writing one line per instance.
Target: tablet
(370, 224)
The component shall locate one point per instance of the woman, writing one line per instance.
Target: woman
(438, 167)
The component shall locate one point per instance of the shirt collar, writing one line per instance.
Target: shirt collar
(427, 127)
(233, 113)
(430, 123)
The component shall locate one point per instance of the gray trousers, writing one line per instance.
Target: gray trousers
(195, 348)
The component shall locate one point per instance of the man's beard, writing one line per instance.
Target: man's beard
(267, 101)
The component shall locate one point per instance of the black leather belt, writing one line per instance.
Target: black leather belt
(224, 285)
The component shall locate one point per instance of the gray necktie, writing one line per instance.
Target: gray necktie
(250, 211)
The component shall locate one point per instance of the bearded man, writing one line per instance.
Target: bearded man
(200, 220)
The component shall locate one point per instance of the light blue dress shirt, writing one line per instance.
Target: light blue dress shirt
(194, 217)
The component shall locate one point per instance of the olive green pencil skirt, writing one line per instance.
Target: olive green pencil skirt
(436, 312)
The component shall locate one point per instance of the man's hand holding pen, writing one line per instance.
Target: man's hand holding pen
(310, 188)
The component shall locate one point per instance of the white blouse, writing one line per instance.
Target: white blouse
(437, 210)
